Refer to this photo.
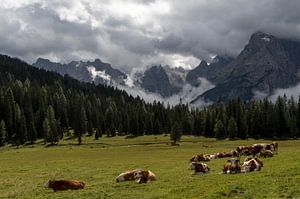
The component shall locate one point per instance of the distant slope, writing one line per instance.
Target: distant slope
(95, 71)
(266, 63)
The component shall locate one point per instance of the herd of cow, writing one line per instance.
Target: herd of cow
(232, 166)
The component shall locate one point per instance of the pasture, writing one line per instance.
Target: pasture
(23, 171)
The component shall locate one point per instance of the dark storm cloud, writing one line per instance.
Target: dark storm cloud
(136, 33)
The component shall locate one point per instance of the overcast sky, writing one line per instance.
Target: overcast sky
(132, 34)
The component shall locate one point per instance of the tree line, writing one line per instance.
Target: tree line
(36, 104)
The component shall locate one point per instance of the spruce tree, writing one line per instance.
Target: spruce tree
(219, 130)
(53, 137)
(3, 133)
(232, 128)
(176, 132)
(80, 122)
(46, 130)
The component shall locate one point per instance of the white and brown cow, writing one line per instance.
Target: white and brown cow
(139, 175)
(199, 168)
(252, 164)
(232, 166)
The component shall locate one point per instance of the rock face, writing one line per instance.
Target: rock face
(156, 80)
(210, 72)
(266, 63)
(96, 71)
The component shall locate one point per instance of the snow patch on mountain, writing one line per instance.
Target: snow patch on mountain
(129, 82)
(102, 74)
(266, 39)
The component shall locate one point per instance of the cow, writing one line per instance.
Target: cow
(231, 154)
(199, 168)
(244, 150)
(275, 145)
(213, 156)
(64, 184)
(251, 164)
(232, 166)
(266, 153)
(200, 158)
(220, 155)
(139, 175)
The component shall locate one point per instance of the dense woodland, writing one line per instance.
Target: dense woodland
(35, 104)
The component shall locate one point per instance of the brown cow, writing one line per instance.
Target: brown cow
(232, 166)
(199, 168)
(64, 184)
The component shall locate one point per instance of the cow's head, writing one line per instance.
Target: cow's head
(192, 165)
(122, 177)
(47, 184)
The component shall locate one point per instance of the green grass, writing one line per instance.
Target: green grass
(23, 171)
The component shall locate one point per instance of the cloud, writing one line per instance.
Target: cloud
(186, 95)
(293, 91)
(135, 33)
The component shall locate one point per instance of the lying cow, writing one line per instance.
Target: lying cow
(141, 176)
(252, 164)
(231, 154)
(200, 158)
(266, 153)
(64, 184)
(232, 166)
(199, 168)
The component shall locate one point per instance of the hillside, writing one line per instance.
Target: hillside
(36, 104)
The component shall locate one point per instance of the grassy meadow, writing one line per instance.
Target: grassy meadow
(23, 171)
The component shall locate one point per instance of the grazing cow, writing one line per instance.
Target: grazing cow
(200, 158)
(199, 168)
(64, 184)
(232, 166)
(141, 176)
(266, 153)
(252, 164)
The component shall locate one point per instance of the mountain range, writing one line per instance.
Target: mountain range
(264, 65)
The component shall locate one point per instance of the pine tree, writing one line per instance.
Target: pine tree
(219, 130)
(98, 133)
(232, 128)
(3, 133)
(46, 130)
(176, 132)
(53, 136)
